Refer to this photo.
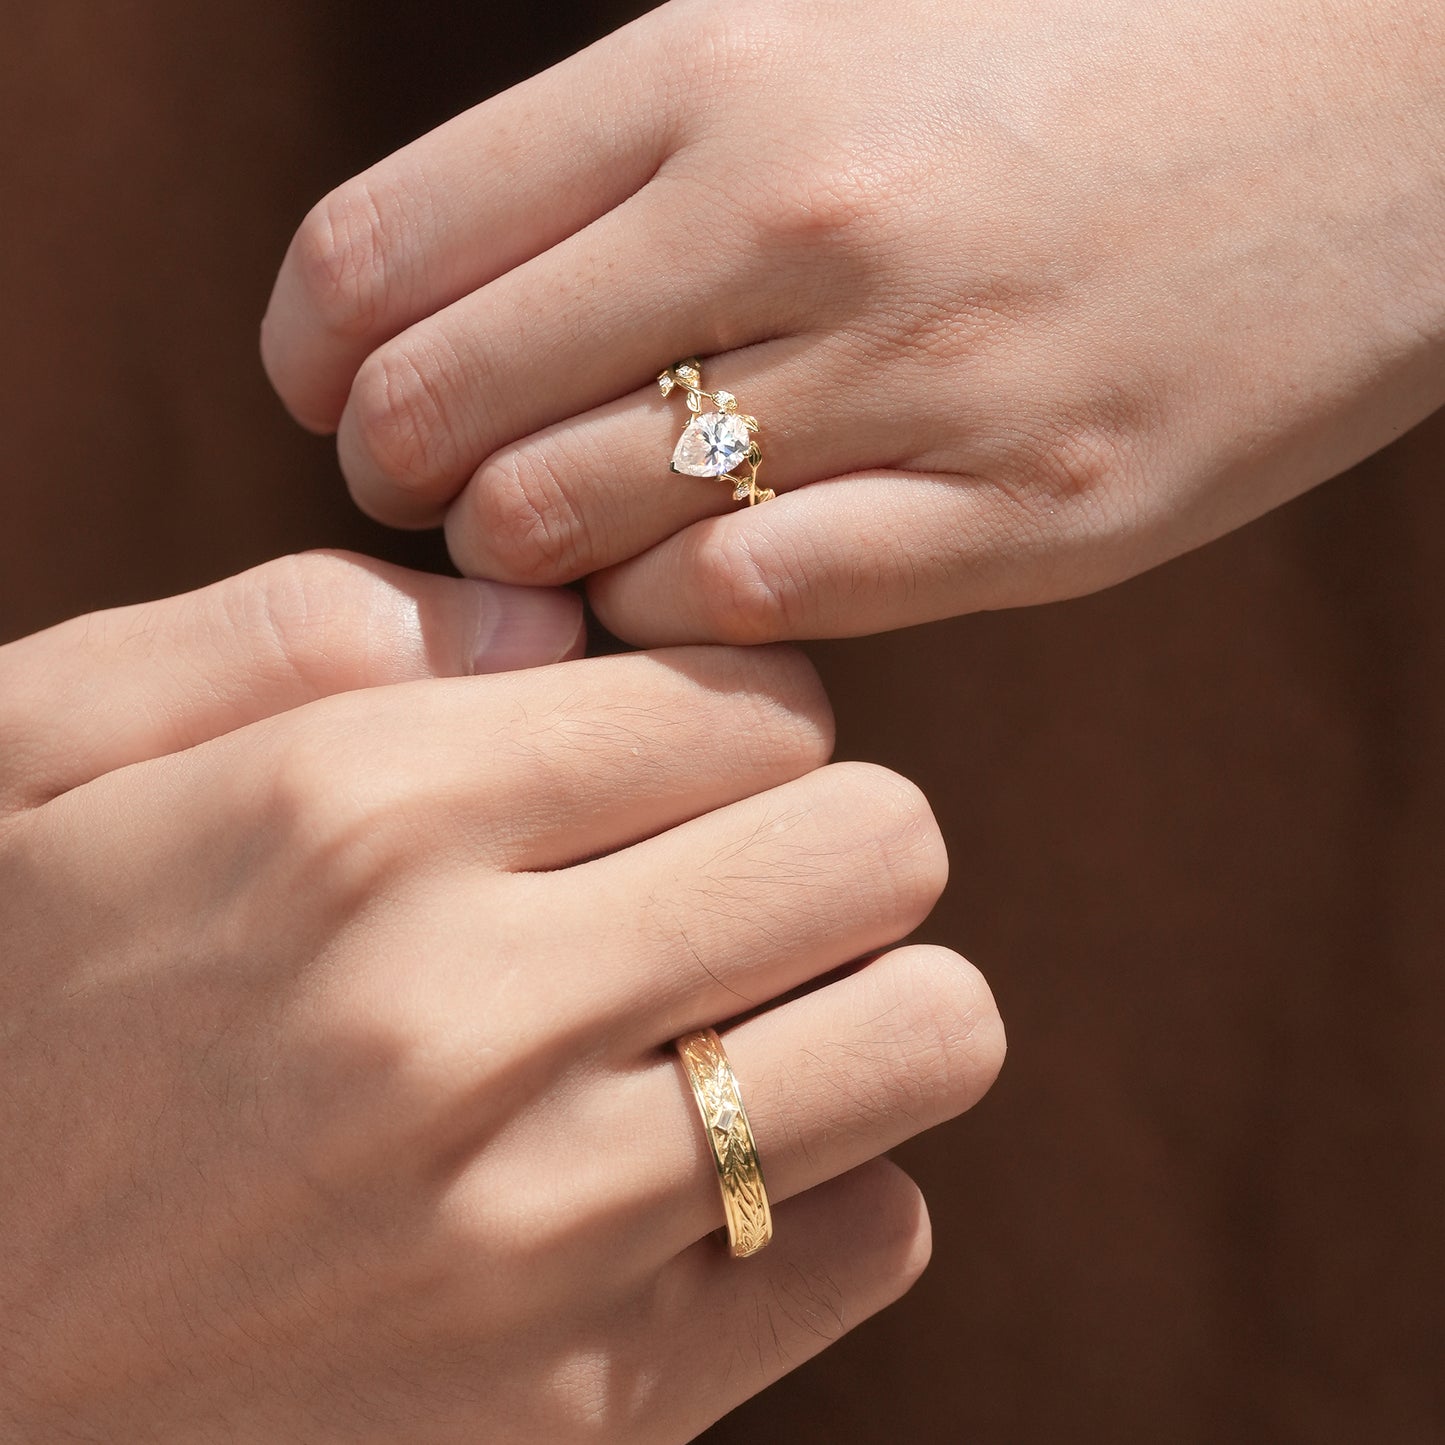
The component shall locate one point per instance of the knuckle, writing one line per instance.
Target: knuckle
(783, 688)
(817, 204)
(1076, 462)
(1073, 497)
(899, 1231)
(751, 587)
(320, 611)
(953, 1043)
(526, 519)
(1078, 474)
(341, 252)
(401, 418)
(906, 845)
(332, 814)
(449, 1079)
(304, 776)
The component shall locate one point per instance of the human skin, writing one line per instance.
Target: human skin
(337, 1097)
(1027, 298)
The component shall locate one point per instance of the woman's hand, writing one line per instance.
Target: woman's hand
(1027, 298)
(336, 1095)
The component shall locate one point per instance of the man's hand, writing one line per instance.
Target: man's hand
(335, 1096)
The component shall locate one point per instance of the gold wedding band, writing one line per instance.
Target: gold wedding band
(725, 1122)
(716, 443)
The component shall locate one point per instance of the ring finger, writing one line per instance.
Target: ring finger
(829, 1080)
(596, 489)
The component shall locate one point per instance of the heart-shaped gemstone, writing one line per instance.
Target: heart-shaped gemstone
(712, 444)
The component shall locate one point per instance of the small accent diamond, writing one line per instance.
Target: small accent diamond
(725, 1117)
(665, 383)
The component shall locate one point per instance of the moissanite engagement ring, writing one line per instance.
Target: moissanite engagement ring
(739, 1175)
(715, 443)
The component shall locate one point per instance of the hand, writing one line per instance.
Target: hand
(1027, 298)
(336, 1098)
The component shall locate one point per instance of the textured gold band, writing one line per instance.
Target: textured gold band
(725, 1122)
(718, 443)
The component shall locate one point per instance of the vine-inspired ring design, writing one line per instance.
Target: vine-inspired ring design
(716, 443)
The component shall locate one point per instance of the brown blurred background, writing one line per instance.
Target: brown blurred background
(1197, 823)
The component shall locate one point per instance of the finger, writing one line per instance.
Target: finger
(533, 770)
(695, 1338)
(731, 1327)
(456, 209)
(594, 318)
(114, 688)
(597, 489)
(740, 906)
(856, 555)
(829, 1080)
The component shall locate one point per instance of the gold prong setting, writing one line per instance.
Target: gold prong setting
(720, 442)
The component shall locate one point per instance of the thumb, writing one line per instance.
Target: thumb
(112, 688)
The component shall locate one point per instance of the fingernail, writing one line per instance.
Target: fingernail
(524, 626)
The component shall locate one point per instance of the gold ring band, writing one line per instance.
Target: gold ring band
(725, 1122)
(718, 443)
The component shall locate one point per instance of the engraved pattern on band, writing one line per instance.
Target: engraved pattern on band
(725, 1122)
